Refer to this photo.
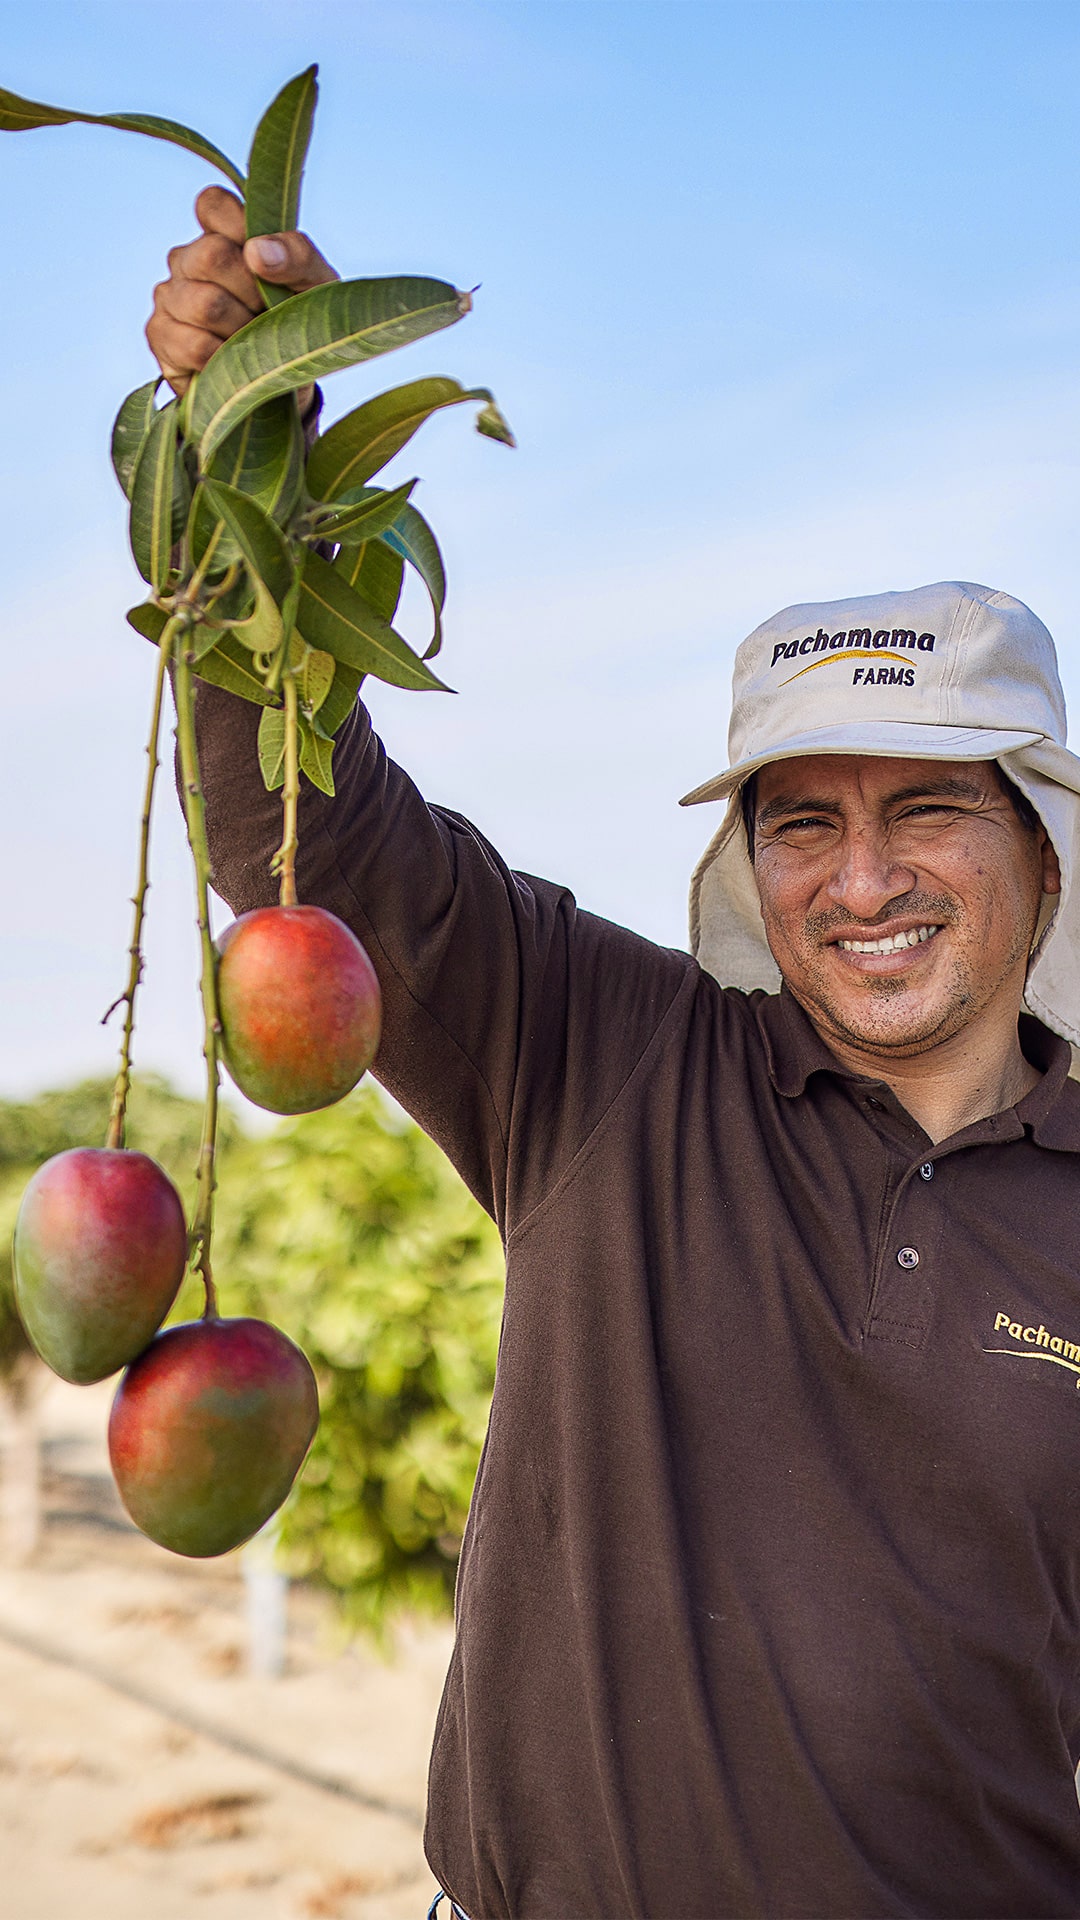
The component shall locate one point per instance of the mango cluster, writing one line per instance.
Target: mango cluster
(212, 1418)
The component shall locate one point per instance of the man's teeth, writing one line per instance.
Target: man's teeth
(893, 944)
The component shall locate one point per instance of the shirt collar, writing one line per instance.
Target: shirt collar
(1050, 1112)
(1052, 1109)
(793, 1048)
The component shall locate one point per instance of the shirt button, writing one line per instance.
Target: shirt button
(908, 1257)
(927, 1170)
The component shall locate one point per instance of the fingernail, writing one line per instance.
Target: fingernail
(271, 253)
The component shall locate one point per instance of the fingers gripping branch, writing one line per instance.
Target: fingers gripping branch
(212, 289)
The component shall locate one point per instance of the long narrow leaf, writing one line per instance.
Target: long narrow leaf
(264, 458)
(201, 639)
(130, 428)
(228, 665)
(375, 572)
(153, 491)
(269, 564)
(412, 538)
(18, 116)
(307, 337)
(361, 519)
(355, 448)
(316, 679)
(333, 617)
(340, 700)
(261, 542)
(276, 166)
(272, 748)
(316, 756)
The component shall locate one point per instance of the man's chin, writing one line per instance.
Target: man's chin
(887, 1019)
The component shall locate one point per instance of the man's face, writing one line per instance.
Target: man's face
(900, 897)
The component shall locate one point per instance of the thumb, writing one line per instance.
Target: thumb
(288, 260)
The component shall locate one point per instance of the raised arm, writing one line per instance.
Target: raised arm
(511, 1020)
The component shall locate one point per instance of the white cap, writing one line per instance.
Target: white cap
(946, 672)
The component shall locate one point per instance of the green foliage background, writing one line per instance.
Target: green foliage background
(349, 1230)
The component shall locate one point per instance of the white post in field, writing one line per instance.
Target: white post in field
(267, 1592)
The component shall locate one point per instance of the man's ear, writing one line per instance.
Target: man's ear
(1051, 869)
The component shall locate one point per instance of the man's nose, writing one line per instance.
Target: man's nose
(867, 875)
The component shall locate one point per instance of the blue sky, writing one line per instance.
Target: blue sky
(782, 300)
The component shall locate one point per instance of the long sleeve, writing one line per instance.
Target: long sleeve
(511, 1019)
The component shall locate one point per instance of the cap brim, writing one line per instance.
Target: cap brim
(879, 738)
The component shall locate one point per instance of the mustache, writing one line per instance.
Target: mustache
(930, 909)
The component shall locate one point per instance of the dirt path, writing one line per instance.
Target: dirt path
(144, 1770)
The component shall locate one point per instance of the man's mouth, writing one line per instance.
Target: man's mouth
(893, 942)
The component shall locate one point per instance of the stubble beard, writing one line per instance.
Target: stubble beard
(850, 1018)
(861, 1018)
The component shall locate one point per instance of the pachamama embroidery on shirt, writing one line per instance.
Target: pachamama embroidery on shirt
(1038, 1345)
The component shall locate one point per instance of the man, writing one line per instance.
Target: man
(769, 1603)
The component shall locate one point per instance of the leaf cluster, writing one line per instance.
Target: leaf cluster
(263, 561)
(275, 570)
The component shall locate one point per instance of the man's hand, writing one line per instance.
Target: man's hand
(212, 292)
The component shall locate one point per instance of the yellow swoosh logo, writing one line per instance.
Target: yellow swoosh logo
(1055, 1359)
(848, 653)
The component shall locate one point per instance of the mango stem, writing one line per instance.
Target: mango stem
(118, 1114)
(195, 815)
(284, 861)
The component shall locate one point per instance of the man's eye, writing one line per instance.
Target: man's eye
(806, 823)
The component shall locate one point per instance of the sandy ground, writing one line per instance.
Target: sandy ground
(143, 1768)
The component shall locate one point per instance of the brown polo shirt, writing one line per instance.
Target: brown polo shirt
(769, 1603)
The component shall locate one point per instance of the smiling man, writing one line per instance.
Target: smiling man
(898, 896)
(769, 1601)
(900, 900)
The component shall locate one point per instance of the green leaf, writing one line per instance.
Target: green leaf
(264, 458)
(340, 700)
(130, 428)
(491, 422)
(412, 538)
(232, 601)
(18, 116)
(262, 544)
(149, 620)
(266, 556)
(316, 677)
(230, 665)
(308, 336)
(227, 665)
(276, 166)
(272, 748)
(354, 448)
(153, 491)
(362, 517)
(316, 755)
(201, 639)
(333, 617)
(263, 630)
(375, 572)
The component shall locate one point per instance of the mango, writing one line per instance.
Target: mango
(208, 1431)
(300, 1007)
(100, 1250)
